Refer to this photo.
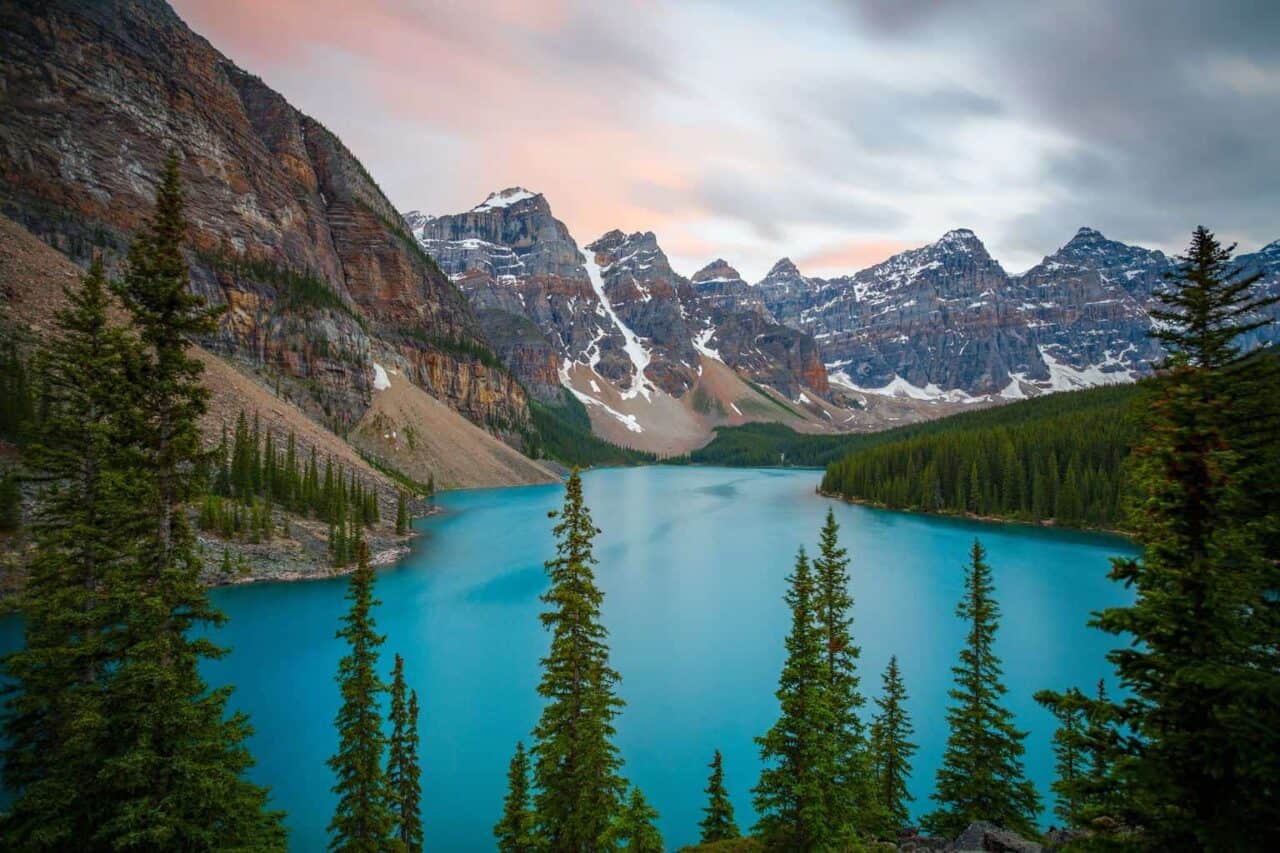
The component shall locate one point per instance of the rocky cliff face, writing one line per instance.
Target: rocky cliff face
(288, 230)
(786, 293)
(946, 322)
(614, 306)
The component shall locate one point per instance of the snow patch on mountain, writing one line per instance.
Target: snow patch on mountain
(635, 350)
(503, 198)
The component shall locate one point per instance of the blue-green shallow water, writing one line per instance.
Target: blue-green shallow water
(693, 563)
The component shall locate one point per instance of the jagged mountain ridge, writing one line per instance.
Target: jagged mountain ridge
(946, 322)
(615, 306)
(289, 232)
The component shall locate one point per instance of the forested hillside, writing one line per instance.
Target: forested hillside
(1058, 458)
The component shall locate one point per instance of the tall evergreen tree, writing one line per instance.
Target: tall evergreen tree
(402, 513)
(981, 777)
(363, 821)
(851, 806)
(404, 785)
(517, 832)
(892, 748)
(637, 825)
(53, 724)
(717, 823)
(1201, 661)
(174, 769)
(789, 796)
(1068, 753)
(576, 765)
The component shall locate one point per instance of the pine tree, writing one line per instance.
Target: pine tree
(576, 764)
(53, 725)
(404, 786)
(892, 748)
(789, 796)
(363, 819)
(1068, 753)
(981, 777)
(718, 823)
(1200, 661)
(174, 766)
(637, 825)
(516, 832)
(845, 774)
(402, 514)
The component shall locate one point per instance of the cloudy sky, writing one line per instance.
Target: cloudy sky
(835, 132)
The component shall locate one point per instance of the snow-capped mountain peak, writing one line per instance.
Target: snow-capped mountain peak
(504, 198)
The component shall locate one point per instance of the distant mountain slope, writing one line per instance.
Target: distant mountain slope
(946, 322)
(288, 229)
(657, 360)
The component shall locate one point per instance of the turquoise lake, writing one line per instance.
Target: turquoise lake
(693, 563)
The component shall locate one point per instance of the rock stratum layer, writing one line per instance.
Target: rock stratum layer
(288, 230)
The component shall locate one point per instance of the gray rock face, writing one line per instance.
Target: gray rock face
(983, 836)
(720, 287)
(934, 316)
(616, 305)
(524, 275)
(948, 320)
(786, 293)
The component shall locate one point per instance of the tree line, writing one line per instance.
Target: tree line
(1065, 466)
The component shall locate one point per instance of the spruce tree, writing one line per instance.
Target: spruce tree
(1068, 753)
(717, 823)
(53, 724)
(981, 777)
(1200, 661)
(363, 821)
(892, 748)
(516, 831)
(403, 773)
(402, 514)
(789, 796)
(851, 806)
(576, 765)
(637, 825)
(174, 768)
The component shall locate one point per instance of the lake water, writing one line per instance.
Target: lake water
(693, 563)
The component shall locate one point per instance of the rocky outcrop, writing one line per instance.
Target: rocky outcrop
(524, 275)
(946, 322)
(615, 306)
(786, 293)
(287, 228)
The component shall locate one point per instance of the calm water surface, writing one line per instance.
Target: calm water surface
(693, 563)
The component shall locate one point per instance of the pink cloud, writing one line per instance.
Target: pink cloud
(851, 256)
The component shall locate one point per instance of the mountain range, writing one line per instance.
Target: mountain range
(329, 290)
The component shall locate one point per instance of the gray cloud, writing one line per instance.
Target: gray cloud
(1174, 107)
(769, 208)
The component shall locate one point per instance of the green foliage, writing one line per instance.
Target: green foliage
(789, 797)
(1055, 458)
(717, 823)
(564, 433)
(402, 513)
(114, 740)
(516, 832)
(404, 787)
(363, 819)
(637, 825)
(295, 291)
(10, 501)
(892, 748)
(1086, 747)
(17, 395)
(851, 806)
(576, 765)
(465, 347)
(1200, 659)
(981, 777)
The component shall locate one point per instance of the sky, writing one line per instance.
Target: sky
(833, 132)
